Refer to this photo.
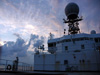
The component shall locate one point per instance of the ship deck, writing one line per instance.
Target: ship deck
(49, 73)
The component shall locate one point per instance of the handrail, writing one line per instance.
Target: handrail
(4, 64)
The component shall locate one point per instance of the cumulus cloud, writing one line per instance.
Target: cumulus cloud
(20, 48)
(15, 48)
(17, 35)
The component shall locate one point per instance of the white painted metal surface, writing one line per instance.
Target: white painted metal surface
(78, 52)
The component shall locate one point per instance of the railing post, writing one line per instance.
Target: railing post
(6, 64)
(21, 67)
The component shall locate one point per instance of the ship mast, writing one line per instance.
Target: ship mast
(71, 12)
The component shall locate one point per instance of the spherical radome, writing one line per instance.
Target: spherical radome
(93, 32)
(72, 10)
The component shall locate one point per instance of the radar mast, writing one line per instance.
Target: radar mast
(71, 12)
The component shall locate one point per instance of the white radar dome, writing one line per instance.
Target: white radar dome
(72, 10)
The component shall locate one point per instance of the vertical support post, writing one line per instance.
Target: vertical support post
(22, 67)
(6, 64)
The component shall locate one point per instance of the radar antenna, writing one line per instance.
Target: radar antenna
(71, 12)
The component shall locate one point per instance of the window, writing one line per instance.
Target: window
(65, 62)
(83, 61)
(99, 39)
(82, 47)
(68, 40)
(77, 39)
(73, 40)
(81, 38)
(52, 44)
(80, 61)
(58, 42)
(66, 47)
(91, 39)
(86, 38)
(96, 40)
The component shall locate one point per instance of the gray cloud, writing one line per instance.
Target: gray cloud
(36, 41)
(17, 35)
(15, 48)
(19, 48)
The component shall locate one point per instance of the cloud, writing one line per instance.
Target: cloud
(20, 48)
(14, 48)
(44, 16)
(17, 35)
(18, 15)
(35, 41)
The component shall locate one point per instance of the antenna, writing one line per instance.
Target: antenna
(64, 31)
(51, 36)
(71, 12)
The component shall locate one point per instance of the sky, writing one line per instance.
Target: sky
(26, 24)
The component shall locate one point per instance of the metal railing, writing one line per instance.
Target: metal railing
(68, 67)
(5, 64)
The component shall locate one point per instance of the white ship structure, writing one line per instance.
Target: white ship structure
(73, 52)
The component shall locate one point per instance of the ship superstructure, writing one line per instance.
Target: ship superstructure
(73, 52)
